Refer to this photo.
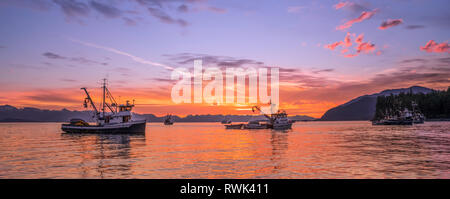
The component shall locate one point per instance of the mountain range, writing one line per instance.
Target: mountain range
(363, 107)
(360, 108)
(12, 114)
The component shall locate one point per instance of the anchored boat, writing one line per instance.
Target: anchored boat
(405, 117)
(168, 120)
(277, 121)
(110, 118)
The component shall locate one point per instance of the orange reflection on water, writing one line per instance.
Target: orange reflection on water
(208, 150)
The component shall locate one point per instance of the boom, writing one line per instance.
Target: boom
(89, 99)
(257, 108)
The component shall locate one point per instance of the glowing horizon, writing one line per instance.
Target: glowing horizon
(328, 52)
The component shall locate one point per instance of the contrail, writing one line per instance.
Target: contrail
(135, 58)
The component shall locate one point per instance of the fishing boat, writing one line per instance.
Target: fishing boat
(281, 121)
(418, 117)
(278, 120)
(168, 120)
(110, 118)
(404, 117)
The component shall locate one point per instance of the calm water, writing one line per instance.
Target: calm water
(207, 150)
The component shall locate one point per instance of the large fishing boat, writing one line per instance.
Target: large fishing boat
(110, 118)
(405, 117)
(278, 120)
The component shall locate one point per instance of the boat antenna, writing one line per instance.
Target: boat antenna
(104, 96)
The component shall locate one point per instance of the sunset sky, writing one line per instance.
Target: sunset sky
(328, 52)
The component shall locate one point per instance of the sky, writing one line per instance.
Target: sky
(328, 52)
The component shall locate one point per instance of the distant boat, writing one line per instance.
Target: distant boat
(168, 120)
(117, 120)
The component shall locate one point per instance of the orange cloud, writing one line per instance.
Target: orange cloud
(364, 16)
(432, 46)
(390, 23)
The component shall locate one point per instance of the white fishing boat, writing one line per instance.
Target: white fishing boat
(277, 121)
(281, 121)
(111, 118)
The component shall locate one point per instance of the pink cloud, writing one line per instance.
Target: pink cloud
(359, 38)
(365, 47)
(432, 46)
(390, 23)
(350, 55)
(347, 40)
(361, 47)
(334, 45)
(341, 5)
(364, 16)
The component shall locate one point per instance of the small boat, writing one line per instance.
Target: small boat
(168, 120)
(117, 120)
(257, 124)
(234, 126)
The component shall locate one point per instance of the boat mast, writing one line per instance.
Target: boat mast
(104, 95)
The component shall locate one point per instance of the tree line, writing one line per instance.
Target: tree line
(434, 105)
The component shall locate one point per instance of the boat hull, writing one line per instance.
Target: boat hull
(234, 126)
(137, 127)
(253, 126)
(393, 122)
(282, 126)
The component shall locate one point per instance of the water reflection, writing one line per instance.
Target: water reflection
(207, 150)
(106, 152)
(390, 151)
(279, 143)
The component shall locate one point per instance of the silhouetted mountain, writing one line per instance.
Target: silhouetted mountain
(363, 107)
(12, 114)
